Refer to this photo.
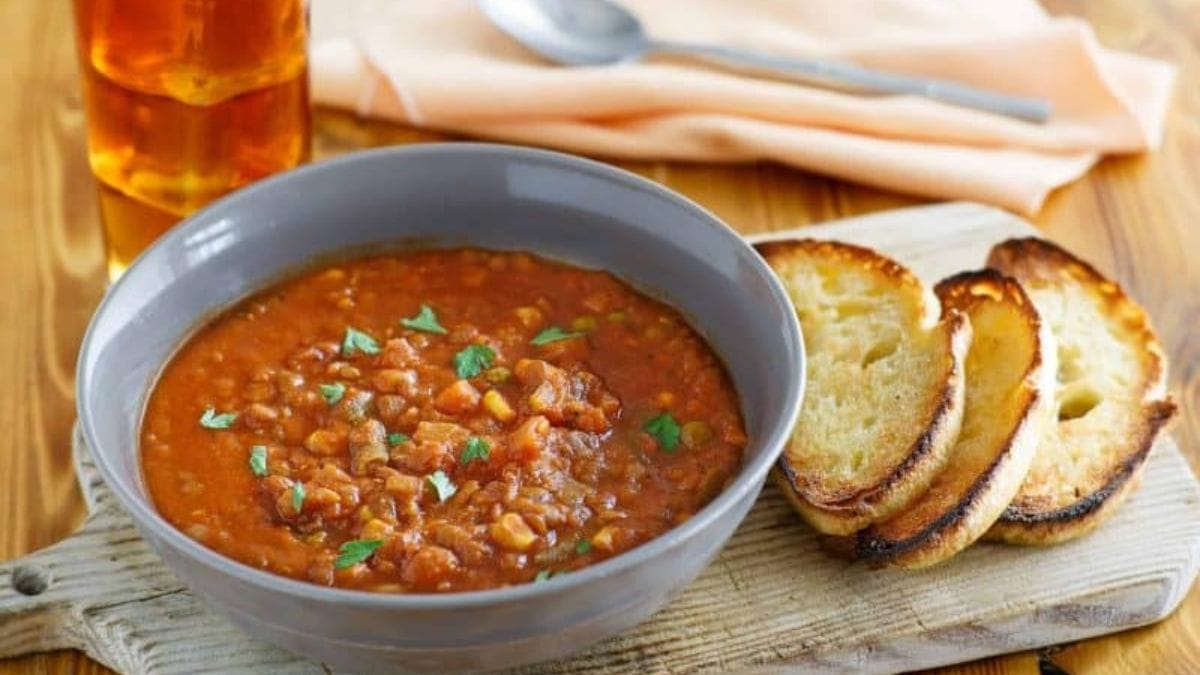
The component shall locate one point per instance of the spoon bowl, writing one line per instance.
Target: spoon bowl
(575, 33)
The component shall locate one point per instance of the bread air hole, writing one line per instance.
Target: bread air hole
(1077, 403)
(880, 350)
(849, 309)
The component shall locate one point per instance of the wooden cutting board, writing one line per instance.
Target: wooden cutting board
(770, 602)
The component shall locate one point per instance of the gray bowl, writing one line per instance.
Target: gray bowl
(492, 196)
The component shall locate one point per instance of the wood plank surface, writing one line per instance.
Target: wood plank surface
(771, 600)
(1137, 218)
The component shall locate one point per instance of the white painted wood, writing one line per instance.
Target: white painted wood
(770, 602)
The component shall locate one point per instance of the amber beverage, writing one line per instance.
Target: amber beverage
(187, 100)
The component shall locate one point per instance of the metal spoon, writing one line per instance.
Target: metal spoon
(600, 32)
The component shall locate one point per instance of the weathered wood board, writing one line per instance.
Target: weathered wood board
(770, 602)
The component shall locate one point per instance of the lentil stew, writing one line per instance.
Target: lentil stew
(437, 421)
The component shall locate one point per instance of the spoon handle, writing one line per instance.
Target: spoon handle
(845, 75)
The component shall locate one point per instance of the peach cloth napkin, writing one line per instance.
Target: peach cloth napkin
(440, 64)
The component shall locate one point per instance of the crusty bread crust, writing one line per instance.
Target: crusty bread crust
(1036, 528)
(986, 469)
(851, 508)
(1042, 267)
(846, 254)
(925, 457)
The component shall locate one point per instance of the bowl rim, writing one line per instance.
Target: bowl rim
(147, 517)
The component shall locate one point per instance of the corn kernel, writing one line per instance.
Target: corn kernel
(696, 434)
(529, 316)
(375, 529)
(496, 405)
(497, 375)
(512, 532)
(325, 442)
(584, 324)
(603, 539)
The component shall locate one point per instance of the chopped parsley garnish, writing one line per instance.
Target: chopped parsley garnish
(332, 393)
(396, 438)
(441, 483)
(472, 360)
(354, 552)
(298, 494)
(665, 430)
(542, 575)
(211, 420)
(358, 341)
(552, 334)
(258, 460)
(477, 448)
(583, 546)
(425, 320)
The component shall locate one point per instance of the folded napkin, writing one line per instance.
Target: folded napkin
(440, 64)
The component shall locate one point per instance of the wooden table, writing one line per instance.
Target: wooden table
(1136, 217)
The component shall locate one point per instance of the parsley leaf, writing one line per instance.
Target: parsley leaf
(358, 341)
(354, 552)
(441, 483)
(665, 429)
(583, 546)
(298, 494)
(552, 334)
(472, 360)
(332, 393)
(258, 460)
(211, 420)
(425, 320)
(542, 575)
(396, 438)
(477, 448)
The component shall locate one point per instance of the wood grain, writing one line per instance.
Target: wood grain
(771, 600)
(1136, 217)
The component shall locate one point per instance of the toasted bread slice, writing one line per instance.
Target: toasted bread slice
(1009, 403)
(1110, 395)
(884, 397)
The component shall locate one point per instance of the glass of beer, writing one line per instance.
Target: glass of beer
(187, 100)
